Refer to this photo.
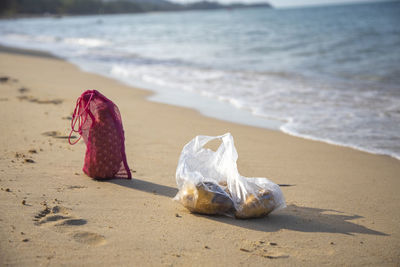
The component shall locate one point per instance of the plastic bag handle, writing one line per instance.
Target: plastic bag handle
(227, 142)
(225, 150)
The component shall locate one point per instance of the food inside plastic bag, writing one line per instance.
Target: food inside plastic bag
(227, 192)
(206, 198)
(256, 205)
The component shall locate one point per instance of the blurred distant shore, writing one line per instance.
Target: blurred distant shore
(59, 8)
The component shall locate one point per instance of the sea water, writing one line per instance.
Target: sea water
(328, 73)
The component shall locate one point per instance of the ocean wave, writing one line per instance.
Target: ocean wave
(86, 42)
(48, 39)
(363, 147)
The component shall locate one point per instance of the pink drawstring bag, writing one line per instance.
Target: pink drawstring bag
(100, 125)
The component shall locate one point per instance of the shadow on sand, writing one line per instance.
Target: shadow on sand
(296, 218)
(304, 219)
(145, 186)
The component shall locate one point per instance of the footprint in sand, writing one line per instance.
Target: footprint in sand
(67, 118)
(37, 100)
(57, 135)
(4, 79)
(23, 90)
(89, 238)
(52, 216)
(269, 250)
(61, 220)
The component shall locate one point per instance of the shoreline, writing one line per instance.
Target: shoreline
(343, 204)
(27, 52)
(218, 110)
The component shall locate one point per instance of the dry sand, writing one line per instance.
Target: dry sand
(343, 204)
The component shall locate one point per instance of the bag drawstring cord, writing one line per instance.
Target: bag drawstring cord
(77, 118)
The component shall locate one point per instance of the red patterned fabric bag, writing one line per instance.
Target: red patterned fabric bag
(100, 126)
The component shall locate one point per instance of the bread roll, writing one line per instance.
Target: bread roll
(207, 198)
(256, 205)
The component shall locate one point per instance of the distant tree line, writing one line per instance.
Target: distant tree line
(11, 7)
(86, 7)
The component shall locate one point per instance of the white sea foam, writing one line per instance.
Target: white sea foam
(87, 42)
(286, 129)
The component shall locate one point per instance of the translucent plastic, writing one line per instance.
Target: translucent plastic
(209, 182)
(100, 126)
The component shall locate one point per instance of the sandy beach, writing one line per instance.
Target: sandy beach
(343, 204)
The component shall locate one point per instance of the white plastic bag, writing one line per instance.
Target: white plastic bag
(209, 182)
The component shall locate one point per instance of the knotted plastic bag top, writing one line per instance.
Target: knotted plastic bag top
(100, 125)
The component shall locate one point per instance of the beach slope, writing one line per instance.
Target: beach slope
(343, 204)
